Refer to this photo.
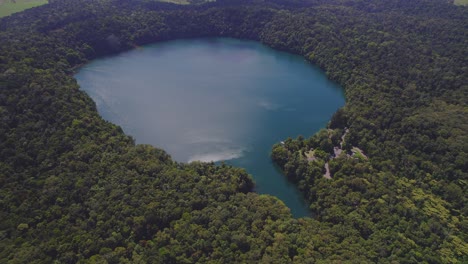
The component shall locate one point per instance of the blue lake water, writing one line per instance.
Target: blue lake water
(215, 100)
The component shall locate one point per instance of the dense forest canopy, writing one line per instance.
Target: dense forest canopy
(386, 180)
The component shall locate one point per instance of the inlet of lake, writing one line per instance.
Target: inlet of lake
(215, 99)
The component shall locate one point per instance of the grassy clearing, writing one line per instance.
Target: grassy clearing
(8, 7)
(186, 2)
(461, 2)
(310, 155)
(179, 2)
(358, 153)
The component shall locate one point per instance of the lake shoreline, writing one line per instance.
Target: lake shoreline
(215, 98)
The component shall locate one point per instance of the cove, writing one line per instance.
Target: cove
(215, 99)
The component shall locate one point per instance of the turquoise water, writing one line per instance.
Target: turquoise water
(215, 100)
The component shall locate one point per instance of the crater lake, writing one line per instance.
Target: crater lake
(215, 99)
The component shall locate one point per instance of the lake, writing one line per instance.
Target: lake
(215, 100)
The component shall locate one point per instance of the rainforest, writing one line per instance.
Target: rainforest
(385, 181)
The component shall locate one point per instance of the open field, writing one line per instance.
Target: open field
(186, 2)
(461, 2)
(179, 2)
(8, 7)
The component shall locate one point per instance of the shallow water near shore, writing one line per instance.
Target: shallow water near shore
(215, 100)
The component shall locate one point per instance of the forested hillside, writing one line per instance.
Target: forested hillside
(386, 180)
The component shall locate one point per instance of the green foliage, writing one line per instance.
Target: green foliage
(75, 188)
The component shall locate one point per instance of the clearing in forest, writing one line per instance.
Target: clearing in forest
(8, 7)
(461, 2)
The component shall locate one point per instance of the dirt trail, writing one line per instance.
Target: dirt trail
(327, 171)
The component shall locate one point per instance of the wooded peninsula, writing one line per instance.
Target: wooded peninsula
(386, 180)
